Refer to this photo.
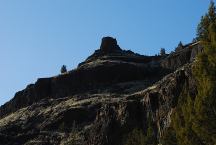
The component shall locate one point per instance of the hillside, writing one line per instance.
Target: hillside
(111, 98)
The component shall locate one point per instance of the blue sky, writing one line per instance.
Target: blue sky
(38, 36)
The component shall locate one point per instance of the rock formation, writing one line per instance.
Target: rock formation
(101, 101)
(109, 45)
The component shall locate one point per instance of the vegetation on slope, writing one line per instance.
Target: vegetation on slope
(194, 120)
(139, 137)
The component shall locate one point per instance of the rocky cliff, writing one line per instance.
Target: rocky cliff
(186, 54)
(102, 101)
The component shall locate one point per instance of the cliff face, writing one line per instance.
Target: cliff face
(101, 102)
(186, 54)
(107, 67)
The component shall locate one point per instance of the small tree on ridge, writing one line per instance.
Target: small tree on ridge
(63, 69)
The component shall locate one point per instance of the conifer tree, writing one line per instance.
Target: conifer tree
(205, 103)
(206, 20)
(63, 69)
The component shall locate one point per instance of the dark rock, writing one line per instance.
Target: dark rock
(109, 45)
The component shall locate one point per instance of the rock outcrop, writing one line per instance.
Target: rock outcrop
(109, 45)
(184, 54)
(101, 101)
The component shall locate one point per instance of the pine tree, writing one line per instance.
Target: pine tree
(206, 20)
(180, 44)
(205, 103)
(63, 69)
(162, 52)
